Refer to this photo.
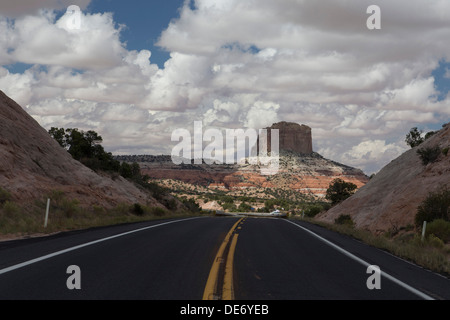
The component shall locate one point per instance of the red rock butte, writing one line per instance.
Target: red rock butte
(293, 137)
(300, 169)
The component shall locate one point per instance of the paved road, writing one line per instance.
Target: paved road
(272, 259)
(281, 260)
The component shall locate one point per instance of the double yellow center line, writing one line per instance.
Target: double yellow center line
(220, 280)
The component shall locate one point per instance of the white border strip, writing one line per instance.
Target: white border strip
(51, 255)
(366, 264)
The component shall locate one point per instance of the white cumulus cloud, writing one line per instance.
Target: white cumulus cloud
(236, 64)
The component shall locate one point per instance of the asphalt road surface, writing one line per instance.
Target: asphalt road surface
(265, 258)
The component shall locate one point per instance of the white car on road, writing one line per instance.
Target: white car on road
(275, 213)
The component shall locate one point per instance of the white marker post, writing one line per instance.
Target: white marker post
(46, 213)
(423, 230)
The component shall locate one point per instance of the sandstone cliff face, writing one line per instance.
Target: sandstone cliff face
(32, 164)
(292, 138)
(390, 199)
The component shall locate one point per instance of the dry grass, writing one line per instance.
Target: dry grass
(66, 214)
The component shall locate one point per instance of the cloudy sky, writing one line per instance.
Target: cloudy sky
(134, 71)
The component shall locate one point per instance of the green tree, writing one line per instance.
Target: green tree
(80, 144)
(125, 170)
(414, 137)
(269, 205)
(340, 190)
(84, 144)
(59, 134)
(136, 171)
(86, 147)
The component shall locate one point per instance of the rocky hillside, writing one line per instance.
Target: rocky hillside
(301, 170)
(32, 165)
(389, 200)
(305, 174)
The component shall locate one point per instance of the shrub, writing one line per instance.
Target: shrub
(157, 211)
(344, 219)
(429, 134)
(191, 205)
(10, 209)
(244, 207)
(435, 206)
(70, 207)
(169, 203)
(156, 190)
(121, 209)
(440, 228)
(227, 199)
(313, 211)
(4, 196)
(231, 207)
(429, 154)
(435, 241)
(445, 151)
(97, 210)
(55, 196)
(61, 205)
(137, 209)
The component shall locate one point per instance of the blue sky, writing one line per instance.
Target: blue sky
(144, 20)
(232, 64)
(442, 79)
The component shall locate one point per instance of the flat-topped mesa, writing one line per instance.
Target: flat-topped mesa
(293, 137)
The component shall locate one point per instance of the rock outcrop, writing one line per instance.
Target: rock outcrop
(390, 199)
(32, 165)
(292, 138)
(300, 169)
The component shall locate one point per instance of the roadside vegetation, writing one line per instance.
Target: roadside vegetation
(66, 214)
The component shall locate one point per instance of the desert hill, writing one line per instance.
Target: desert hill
(390, 199)
(32, 165)
(306, 174)
(301, 170)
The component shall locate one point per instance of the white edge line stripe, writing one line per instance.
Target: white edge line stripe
(51, 255)
(366, 264)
